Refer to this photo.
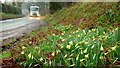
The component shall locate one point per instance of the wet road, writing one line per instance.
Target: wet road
(15, 28)
(14, 23)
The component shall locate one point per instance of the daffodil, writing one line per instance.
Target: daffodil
(114, 48)
(76, 45)
(85, 50)
(71, 55)
(81, 42)
(39, 51)
(109, 50)
(29, 55)
(53, 34)
(73, 32)
(88, 45)
(22, 52)
(62, 33)
(30, 42)
(116, 29)
(89, 31)
(101, 48)
(41, 59)
(69, 35)
(93, 46)
(32, 57)
(77, 57)
(87, 56)
(36, 65)
(82, 60)
(36, 47)
(72, 65)
(65, 56)
(63, 39)
(86, 42)
(53, 54)
(106, 53)
(68, 46)
(78, 35)
(45, 62)
(101, 57)
(23, 47)
(71, 42)
(81, 52)
(72, 50)
(76, 31)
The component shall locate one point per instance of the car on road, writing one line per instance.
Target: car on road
(34, 11)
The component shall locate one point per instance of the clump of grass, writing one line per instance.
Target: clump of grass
(9, 16)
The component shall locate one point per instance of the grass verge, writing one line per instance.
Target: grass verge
(4, 16)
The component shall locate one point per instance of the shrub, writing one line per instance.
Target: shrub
(10, 9)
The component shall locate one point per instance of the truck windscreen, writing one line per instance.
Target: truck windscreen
(34, 9)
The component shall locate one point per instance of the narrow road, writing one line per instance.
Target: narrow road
(15, 28)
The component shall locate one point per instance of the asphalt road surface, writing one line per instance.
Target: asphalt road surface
(15, 28)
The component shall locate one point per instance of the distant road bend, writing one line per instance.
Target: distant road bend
(18, 27)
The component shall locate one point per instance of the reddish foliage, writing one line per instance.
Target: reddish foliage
(9, 63)
(49, 55)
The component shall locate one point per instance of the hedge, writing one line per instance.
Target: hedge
(10, 9)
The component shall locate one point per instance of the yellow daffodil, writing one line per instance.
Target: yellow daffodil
(53, 54)
(116, 29)
(89, 31)
(45, 63)
(77, 57)
(63, 46)
(71, 55)
(62, 33)
(53, 34)
(81, 42)
(23, 47)
(41, 59)
(76, 31)
(88, 45)
(106, 53)
(86, 42)
(57, 51)
(81, 52)
(78, 35)
(72, 65)
(93, 29)
(63, 39)
(109, 50)
(101, 48)
(85, 50)
(68, 46)
(39, 51)
(29, 55)
(73, 32)
(32, 57)
(65, 56)
(101, 57)
(69, 35)
(114, 48)
(76, 45)
(22, 52)
(86, 56)
(82, 60)
(93, 46)
(36, 65)
(72, 50)
(30, 42)
(36, 47)
(71, 42)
